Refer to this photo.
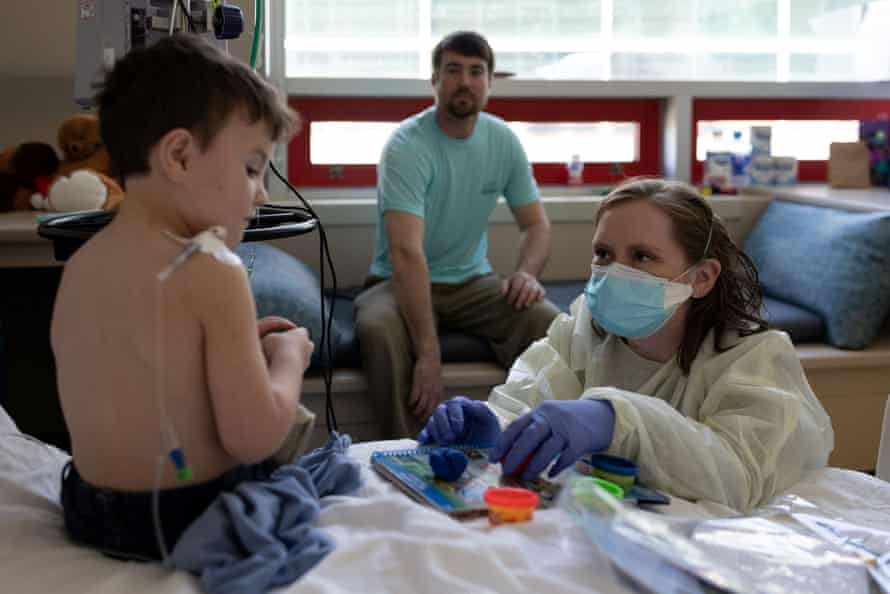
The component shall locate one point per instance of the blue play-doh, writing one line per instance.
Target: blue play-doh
(448, 464)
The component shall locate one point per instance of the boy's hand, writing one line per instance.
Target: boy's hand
(293, 344)
(273, 324)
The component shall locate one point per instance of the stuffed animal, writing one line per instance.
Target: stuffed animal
(81, 143)
(84, 189)
(82, 180)
(24, 170)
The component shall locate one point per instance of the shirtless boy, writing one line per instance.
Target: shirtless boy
(145, 365)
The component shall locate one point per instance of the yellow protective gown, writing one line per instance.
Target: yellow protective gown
(741, 427)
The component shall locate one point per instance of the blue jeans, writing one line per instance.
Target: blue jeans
(120, 523)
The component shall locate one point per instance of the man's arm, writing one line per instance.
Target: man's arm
(522, 287)
(411, 281)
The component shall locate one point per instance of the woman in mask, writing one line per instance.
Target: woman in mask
(664, 360)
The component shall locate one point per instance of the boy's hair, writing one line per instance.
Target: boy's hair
(465, 43)
(182, 81)
(734, 301)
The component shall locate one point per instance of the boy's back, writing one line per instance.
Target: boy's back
(105, 336)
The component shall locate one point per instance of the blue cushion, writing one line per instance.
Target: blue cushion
(801, 324)
(832, 262)
(284, 286)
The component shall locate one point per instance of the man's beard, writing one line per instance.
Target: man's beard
(463, 111)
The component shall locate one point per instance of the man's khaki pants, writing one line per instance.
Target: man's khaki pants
(475, 307)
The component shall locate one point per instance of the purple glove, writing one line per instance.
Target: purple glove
(460, 420)
(564, 428)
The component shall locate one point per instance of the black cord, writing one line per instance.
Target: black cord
(188, 16)
(327, 318)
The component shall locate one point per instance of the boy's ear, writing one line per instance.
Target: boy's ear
(705, 277)
(175, 152)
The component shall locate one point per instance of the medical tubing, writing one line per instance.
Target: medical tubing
(188, 16)
(254, 46)
(172, 18)
(162, 418)
(327, 317)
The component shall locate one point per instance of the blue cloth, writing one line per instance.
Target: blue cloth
(261, 536)
(832, 262)
(453, 185)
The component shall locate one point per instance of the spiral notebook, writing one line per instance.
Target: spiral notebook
(410, 471)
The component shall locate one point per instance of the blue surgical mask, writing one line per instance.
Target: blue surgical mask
(631, 303)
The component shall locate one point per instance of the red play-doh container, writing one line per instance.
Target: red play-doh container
(510, 504)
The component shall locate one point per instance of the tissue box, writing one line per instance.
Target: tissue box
(761, 140)
(784, 171)
(762, 170)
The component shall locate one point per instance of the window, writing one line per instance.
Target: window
(801, 128)
(342, 137)
(747, 40)
(805, 140)
(556, 142)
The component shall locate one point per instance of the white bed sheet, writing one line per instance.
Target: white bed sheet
(385, 542)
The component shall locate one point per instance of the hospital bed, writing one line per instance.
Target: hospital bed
(387, 543)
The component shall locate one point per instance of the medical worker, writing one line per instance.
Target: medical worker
(664, 360)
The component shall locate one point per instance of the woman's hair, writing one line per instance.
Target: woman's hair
(734, 301)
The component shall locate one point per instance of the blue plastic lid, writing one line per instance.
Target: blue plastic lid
(614, 464)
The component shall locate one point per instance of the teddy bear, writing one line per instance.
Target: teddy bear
(24, 170)
(81, 143)
(82, 179)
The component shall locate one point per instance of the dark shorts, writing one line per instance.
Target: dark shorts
(121, 523)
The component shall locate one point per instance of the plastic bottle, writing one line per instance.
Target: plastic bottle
(741, 159)
(575, 167)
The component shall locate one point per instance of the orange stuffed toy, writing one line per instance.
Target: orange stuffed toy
(82, 180)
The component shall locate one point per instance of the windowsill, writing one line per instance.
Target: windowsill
(519, 87)
(564, 204)
(857, 199)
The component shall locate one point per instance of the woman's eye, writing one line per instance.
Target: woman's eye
(600, 256)
(643, 257)
(251, 172)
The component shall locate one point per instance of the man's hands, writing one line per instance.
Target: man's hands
(426, 386)
(282, 338)
(521, 289)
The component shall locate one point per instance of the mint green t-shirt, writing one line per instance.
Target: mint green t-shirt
(453, 185)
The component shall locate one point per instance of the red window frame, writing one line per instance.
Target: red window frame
(646, 112)
(784, 109)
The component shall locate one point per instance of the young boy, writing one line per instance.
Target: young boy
(145, 365)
